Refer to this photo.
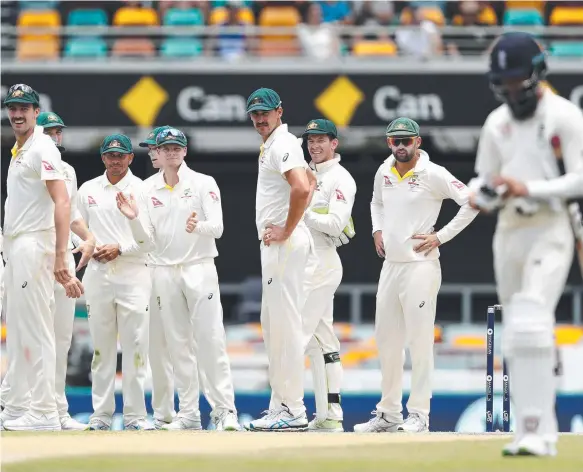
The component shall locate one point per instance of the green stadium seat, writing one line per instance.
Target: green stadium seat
(223, 3)
(520, 17)
(181, 47)
(87, 17)
(566, 49)
(86, 47)
(183, 17)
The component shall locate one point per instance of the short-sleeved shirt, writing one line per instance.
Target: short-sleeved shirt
(29, 206)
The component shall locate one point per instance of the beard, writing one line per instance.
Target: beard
(405, 157)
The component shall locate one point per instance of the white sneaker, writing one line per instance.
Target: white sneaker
(318, 425)
(70, 424)
(32, 422)
(530, 445)
(139, 424)
(377, 424)
(225, 420)
(95, 424)
(414, 424)
(182, 423)
(5, 415)
(159, 424)
(280, 420)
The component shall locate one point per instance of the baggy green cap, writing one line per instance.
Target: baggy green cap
(263, 99)
(402, 126)
(116, 143)
(22, 93)
(321, 126)
(151, 139)
(171, 136)
(50, 120)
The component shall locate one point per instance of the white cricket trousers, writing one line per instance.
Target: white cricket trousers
(405, 316)
(192, 319)
(285, 269)
(29, 283)
(117, 295)
(323, 346)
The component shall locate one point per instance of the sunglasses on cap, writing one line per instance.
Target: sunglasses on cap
(23, 87)
(396, 142)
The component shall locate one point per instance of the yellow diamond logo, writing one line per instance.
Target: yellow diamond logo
(143, 101)
(339, 101)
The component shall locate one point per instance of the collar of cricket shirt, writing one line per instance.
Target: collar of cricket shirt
(182, 171)
(325, 166)
(121, 185)
(276, 132)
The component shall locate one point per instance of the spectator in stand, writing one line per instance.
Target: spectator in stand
(318, 40)
(375, 14)
(420, 38)
(231, 46)
(474, 41)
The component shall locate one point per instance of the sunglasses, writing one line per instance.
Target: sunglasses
(23, 87)
(396, 142)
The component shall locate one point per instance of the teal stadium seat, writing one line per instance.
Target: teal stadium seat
(520, 17)
(181, 47)
(86, 47)
(428, 3)
(183, 17)
(566, 49)
(46, 5)
(87, 17)
(224, 3)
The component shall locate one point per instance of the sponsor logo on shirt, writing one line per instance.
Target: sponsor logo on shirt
(214, 196)
(187, 193)
(48, 166)
(285, 156)
(91, 201)
(340, 196)
(156, 203)
(457, 184)
(388, 182)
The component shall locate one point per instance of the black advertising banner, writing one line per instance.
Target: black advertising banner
(215, 100)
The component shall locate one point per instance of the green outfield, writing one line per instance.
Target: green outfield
(246, 452)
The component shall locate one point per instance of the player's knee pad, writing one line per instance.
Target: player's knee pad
(528, 324)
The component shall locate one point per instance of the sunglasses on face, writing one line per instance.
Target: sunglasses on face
(396, 142)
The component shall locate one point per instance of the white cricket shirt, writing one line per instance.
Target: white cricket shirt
(335, 190)
(279, 154)
(168, 209)
(528, 150)
(71, 183)
(96, 203)
(29, 206)
(404, 206)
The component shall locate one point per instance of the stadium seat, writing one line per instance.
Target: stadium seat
(181, 47)
(279, 17)
(488, 16)
(374, 48)
(87, 17)
(525, 4)
(278, 47)
(86, 47)
(568, 334)
(222, 3)
(133, 47)
(523, 17)
(566, 49)
(46, 5)
(219, 16)
(44, 18)
(131, 16)
(35, 49)
(433, 14)
(183, 17)
(562, 16)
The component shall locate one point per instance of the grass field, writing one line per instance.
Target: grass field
(263, 452)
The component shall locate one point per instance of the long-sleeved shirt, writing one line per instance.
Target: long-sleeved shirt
(167, 211)
(335, 191)
(96, 201)
(528, 150)
(71, 183)
(405, 206)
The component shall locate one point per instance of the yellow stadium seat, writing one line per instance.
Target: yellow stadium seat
(219, 15)
(568, 334)
(133, 47)
(279, 17)
(374, 48)
(526, 5)
(44, 18)
(566, 16)
(488, 16)
(130, 16)
(470, 342)
(37, 49)
(433, 14)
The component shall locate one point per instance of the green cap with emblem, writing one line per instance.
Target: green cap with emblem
(22, 93)
(116, 143)
(263, 99)
(171, 136)
(151, 139)
(402, 127)
(321, 126)
(50, 120)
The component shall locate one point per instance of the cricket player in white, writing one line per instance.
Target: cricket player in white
(118, 285)
(408, 193)
(184, 217)
(521, 146)
(284, 188)
(330, 224)
(36, 230)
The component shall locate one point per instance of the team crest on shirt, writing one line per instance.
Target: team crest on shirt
(187, 193)
(414, 182)
(340, 196)
(387, 181)
(318, 186)
(156, 203)
(91, 201)
(214, 196)
(48, 166)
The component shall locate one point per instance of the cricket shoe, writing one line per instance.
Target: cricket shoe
(180, 423)
(319, 425)
(530, 445)
(95, 424)
(139, 424)
(377, 424)
(33, 422)
(159, 424)
(70, 424)
(7, 416)
(225, 420)
(280, 420)
(414, 424)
